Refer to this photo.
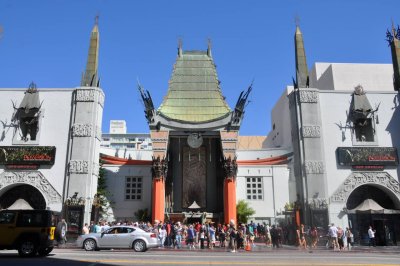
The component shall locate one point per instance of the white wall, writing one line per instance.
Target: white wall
(260, 154)
(345, 76)
(134, 153)
(275, 189)
(280, 116)
(53, 131)
(333, 110)
(115, 176)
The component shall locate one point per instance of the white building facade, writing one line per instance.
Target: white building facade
(50, 146)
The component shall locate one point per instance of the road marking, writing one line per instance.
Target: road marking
(230, 263)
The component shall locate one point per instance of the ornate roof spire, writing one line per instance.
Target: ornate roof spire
(393, 37)
(301, 62)
(180, 47)
(209, 48)
(90, 78)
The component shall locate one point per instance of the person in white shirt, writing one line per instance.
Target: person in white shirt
(333, 236)
(371, 235)
(162, 234)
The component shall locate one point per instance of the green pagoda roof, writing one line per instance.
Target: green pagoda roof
(194, 94)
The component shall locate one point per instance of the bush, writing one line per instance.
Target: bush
(244, 211)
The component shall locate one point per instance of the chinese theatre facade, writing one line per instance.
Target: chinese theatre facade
(194, 135)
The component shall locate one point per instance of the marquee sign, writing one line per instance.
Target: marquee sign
(16, 156)
(367, 156)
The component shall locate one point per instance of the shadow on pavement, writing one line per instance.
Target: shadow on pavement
(12, 258)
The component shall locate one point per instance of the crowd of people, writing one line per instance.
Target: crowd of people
(202, 235)
(233, 236)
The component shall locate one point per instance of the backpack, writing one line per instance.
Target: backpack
(314, 233)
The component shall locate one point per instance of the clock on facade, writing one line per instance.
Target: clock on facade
(195, 140)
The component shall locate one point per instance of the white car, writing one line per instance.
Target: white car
(119, 237)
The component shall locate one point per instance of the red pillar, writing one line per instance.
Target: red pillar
(229, 200)
(158, 199)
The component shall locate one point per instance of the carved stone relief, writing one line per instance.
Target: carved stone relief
(314, 167)
(358, 179)
(318, 204)
(308, 96)
(79, 166)
(159, 168)
(311, 131)
(82, 130)
(35, 179)
(89, 95)
(230, 167)
(85, 95)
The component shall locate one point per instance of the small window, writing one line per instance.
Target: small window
(133, 187)
(254, 189)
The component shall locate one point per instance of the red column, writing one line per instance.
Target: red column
(159, 172)
(229, 200)
(158, 199)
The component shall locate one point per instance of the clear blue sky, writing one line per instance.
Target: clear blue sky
(47, 42)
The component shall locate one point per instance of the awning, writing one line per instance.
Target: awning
(194, 206)
(371, 206)
(20, 204)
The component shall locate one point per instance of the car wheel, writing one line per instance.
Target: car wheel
(89, 245)
(27, 248)
(45, 251)
(139, 246)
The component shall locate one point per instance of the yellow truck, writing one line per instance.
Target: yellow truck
(31, 232)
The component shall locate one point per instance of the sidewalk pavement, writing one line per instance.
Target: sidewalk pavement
(262, 247)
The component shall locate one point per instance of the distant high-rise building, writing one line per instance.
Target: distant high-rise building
(117, 127)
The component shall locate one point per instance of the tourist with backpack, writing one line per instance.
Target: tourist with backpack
(314, 237)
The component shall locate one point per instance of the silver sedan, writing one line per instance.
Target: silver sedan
(119, 237)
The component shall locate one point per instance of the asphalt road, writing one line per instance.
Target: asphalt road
(280, 257)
